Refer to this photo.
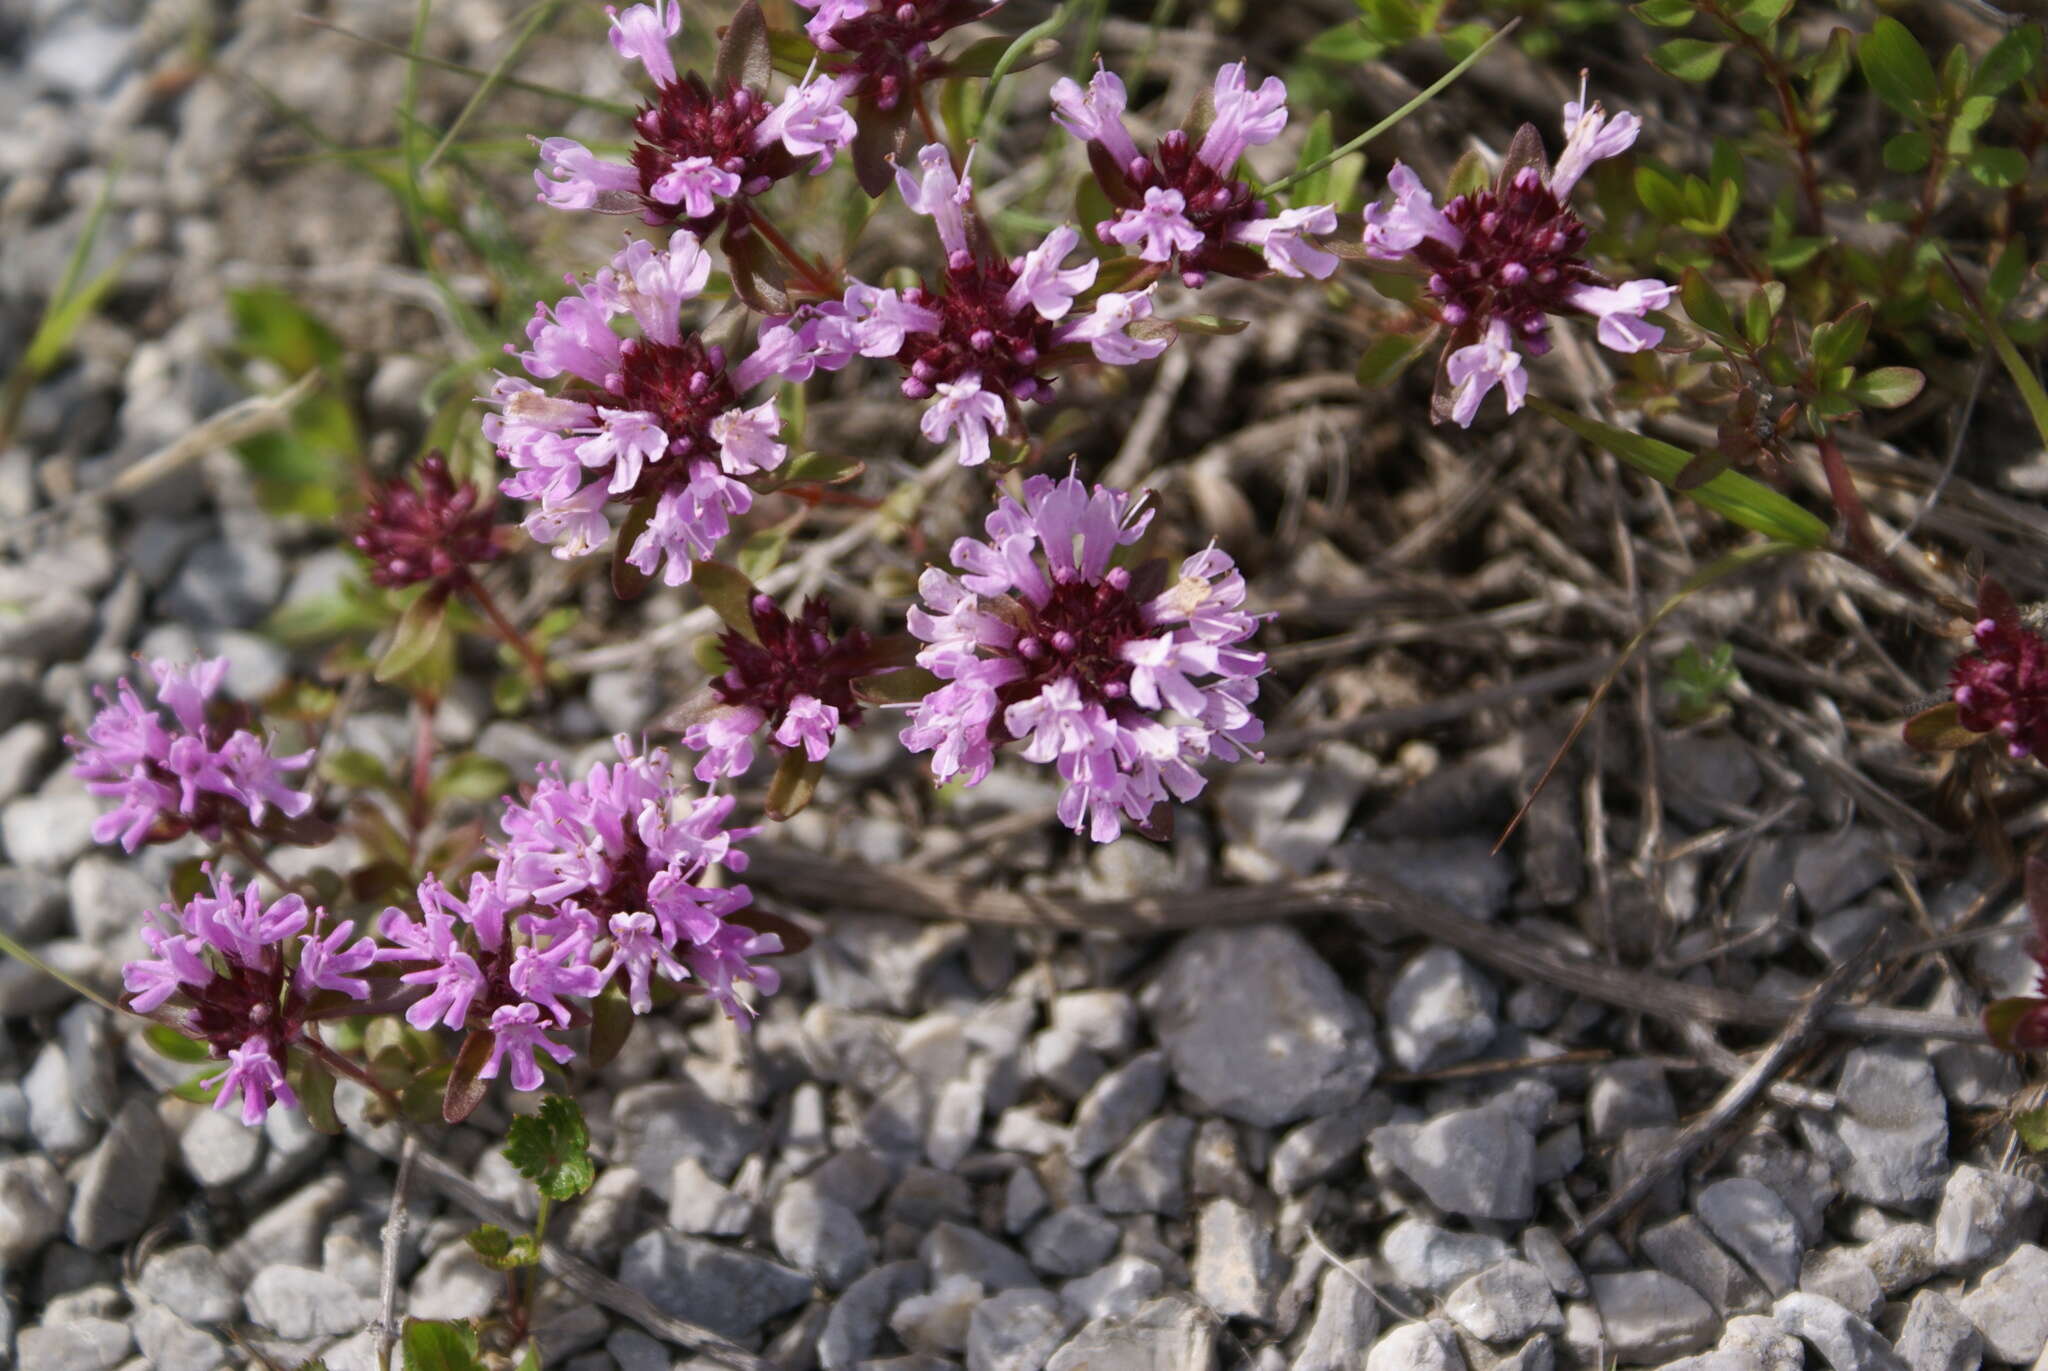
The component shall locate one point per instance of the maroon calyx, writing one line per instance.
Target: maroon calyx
(1215, 204)
(891, 46)
(2002, 687)
(432, 528)
(979, 333)
(685, 120)
(793, 657)
(1520, 260)
(1079, 633)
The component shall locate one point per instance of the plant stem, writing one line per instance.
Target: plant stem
(924, 114)
(814, 276)
(246, 850)
(540, 1230)
(536, 665)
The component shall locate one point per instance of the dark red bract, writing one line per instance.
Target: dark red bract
(434, 530)
(685, 120)
(1215, 204)
(2002, 687)
(1520, 260)
(891, 47)
(978, 334)
(794, 657)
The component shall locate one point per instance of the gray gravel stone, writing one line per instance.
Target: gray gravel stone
(1983, 1215)
(1064, 1062)
(1901, 1258)
(632, 1350)
(1757, 1226)
(1173, 1333)
(1258, 1028)
(1346, 1322)
(1843, 1276)
(1547, 1252)
(171, 1344)
(1072, 1241)
(49, 830)
(189, 1282)
(956, 1121)
(299, 1303)
(2010, 1306)
(75, 1345)
(820, 1236)
(31, 904)
(606, 1217)
(1115, 1106)
(730, 1291)
(117, 1187)
(34, 1198)
(1318, 1149)
(1117, 1290)
(1628, 1095)
(226, 583)
(1431, 1260)
(1430, 1346)
(1149, 1174)
(1505, 1303)
(1236, 1272)
(1830, 871)
(657, 1125)
(1650, 1317)
(1844, 1341)
(951, 1250)
(936, 1322)
(1017, 1330)
(1106, 1020)
(1440, 1011)
(1463, 872)
(697, 1203)
(1477, 1162)
(1888, 1140)
(1762, 1344)
(454, 1285)
(1024, 1199)
(861, 1312)
(217, 1149)
(25, 990)
(1937, 1337)
(1682, 1247)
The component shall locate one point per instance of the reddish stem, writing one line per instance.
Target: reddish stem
(536, 665)
(924, 115)
(814, 276)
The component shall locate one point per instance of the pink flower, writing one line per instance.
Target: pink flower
(1162, 226)
(1244, 119)
(793, 675)
(515, 1036)
(1042, 283)
(1105, 329)
(1475, 370)
(1096, 115)
(571, 176)
(725, 738)
(696, 185)
(184, 774)
(2001, 687)
(962, 406)
(642, 34)
(810, 723)
(637, 952)
(812, 120)
(659, 416)
(940, 194)
(256, 1076)
(1041, 639)
(325, 963)
(1511, 256)
(1282, 240)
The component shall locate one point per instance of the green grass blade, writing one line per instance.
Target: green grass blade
(2016, 367)
(28, 958)
(612, 107)
(1731, 495)
(1428, 94)
(1014, 54)
(542, 13)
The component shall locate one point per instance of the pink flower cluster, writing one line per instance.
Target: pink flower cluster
(598, 880)
(2002, 687)
(221, 964)
(887, 44)
(656, 418)
(1123, 681)
(199, 770)
(977, 349)
(1186, 201)
(702, 153)
(791, 676)
(1500, 261)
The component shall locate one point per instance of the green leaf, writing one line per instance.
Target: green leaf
(819, 468)
(1732, 495)
(2032, 1127)
(1939, 729)
(745, 57)
(356, 769)
(471, 776)
(979, 58)
(438, 1346)
(1998, 168)
(629, 582)
(273, 325)
(499, 1250)
(2011, 58)
(1836, 344)
(316, 1097)
(1887, 387)
(1689, 59)
(200, 1089)
(729, 595)
(1759, 310)
(1665, 14)
(1313, 187)
(762, 551)
(552, 1149)
(611, 1023)
(1348, 43)
(2022, 374)
(901, 687)
(465, 1091)
(2002, 1019)
(169, 1042)
(791, 787)
(419, 631)
(1659, 194)
(1896, 67)
(1703, 304)
(1908, 152)
(1389, 356)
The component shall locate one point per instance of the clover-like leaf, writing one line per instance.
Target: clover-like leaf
(499, 1250)
(552, 1149)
